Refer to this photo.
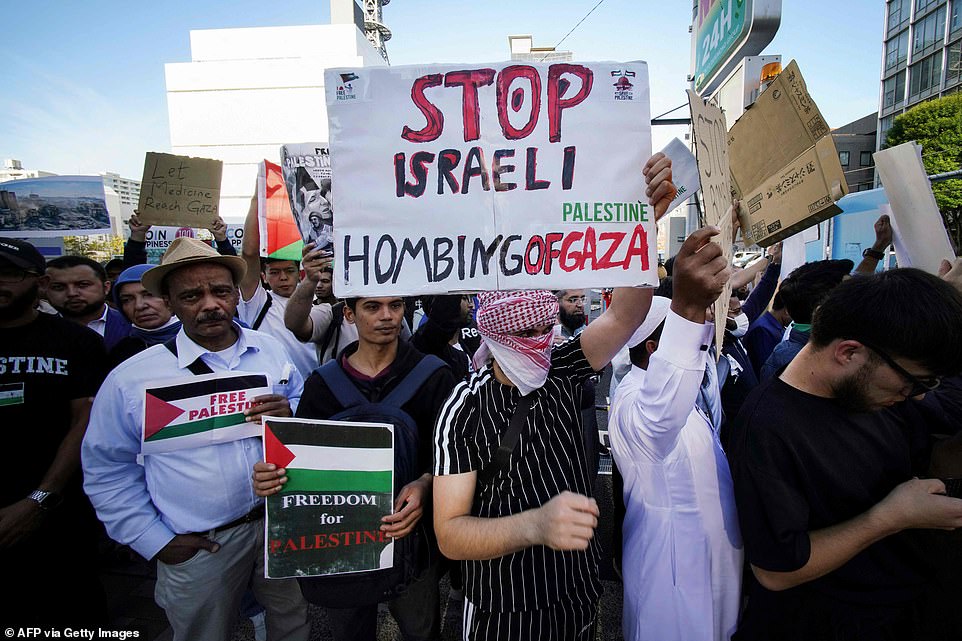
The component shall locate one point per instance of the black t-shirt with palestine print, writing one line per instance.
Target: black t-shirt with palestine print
(43, 366)
(548, 459)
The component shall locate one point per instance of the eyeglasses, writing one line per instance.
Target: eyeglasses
(574, 300)
(919, 385)
(13, 275)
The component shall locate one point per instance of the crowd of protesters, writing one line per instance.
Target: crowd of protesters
(785, 484)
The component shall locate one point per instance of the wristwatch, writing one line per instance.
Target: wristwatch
(873, 253)
(46, 500)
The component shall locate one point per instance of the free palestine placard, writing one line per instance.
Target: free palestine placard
(327, 518)
(201, 410)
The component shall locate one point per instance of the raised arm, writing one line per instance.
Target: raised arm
(602, 339)
(297, 316)
(251, 252)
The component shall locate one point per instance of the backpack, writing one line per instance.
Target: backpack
(333, 333)
(414, 553)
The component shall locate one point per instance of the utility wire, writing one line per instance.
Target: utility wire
(573, 29)
(671, 110)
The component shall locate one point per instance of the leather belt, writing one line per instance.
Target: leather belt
(254, 515)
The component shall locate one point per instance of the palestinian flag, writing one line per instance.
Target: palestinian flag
(331, 456)
(11, 394)
(280, 236)
(327, 518)
(200, 410)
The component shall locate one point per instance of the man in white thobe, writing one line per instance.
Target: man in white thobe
(682, 561)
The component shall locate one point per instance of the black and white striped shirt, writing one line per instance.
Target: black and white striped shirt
(549, 459)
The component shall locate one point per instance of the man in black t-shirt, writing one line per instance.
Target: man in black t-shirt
(824, 457)
(50, 369)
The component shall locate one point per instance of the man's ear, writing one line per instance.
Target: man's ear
(651, 346)
(845, 351)
(107, 285)
(349, 314)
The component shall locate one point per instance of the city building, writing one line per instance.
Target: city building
(248, 91)
(521, 48)
(13, 170)
(855, 143)
(922, 49)
(122, 195)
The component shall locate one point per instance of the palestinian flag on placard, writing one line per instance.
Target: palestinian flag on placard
(200, 410)
(332, 457)
(11, 394)
(280, 236)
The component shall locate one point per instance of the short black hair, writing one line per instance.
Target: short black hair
(807, 286)
(67, 262)
(266, 262)
(665, 288)
(906, 312)
(778, 302)
(114, 263)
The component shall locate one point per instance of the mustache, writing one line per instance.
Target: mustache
(210, 317)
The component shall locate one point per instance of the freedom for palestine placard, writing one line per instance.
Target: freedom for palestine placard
(327, 518)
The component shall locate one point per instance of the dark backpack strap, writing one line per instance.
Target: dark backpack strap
(333, 330)
(411, 383)
(261, 314)
(197, 368)
(508, 442)
(340, 385)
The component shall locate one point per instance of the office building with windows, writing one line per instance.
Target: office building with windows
(922, 55)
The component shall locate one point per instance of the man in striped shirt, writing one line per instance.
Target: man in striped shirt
(524, 528)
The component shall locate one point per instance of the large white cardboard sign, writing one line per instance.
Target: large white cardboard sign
(484, 177)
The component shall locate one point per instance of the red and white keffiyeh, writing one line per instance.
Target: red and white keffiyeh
(525, 361)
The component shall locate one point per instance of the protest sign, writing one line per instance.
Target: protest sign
(684, 171)
(785, 168)
(327, 517)
(711, 153)
(280, 237)
(179, 190)
(53, 206)
(485, 177)
(195, 411)
(307, 176)
(159, 238)
(920, 237)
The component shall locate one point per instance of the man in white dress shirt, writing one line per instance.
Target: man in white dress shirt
(682, 559)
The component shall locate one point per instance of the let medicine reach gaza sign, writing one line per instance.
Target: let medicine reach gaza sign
(506, 176)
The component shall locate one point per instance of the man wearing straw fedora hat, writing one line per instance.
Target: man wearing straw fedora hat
(193, 507)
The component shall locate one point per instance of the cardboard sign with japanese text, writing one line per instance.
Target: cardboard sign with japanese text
(486, 177)
(327, 517)
(179, 191)
(711, 153)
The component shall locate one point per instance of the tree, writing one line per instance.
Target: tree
(99, 247)
(937, 126)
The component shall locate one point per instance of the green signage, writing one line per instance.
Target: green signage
(726, 30)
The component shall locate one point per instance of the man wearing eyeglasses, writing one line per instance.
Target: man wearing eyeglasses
(824, 459)
(571, 311)
(50, 369)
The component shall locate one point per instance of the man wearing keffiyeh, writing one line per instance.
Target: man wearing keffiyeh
(524, 529)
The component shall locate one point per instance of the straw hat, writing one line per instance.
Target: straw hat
(184, 252)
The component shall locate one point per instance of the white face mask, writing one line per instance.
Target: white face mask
(741, 325)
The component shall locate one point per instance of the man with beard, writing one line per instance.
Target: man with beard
(192, 506)
(571, 311)
(77, 287)
(50, 369)
(824, 456)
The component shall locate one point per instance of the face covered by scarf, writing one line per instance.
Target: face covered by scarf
(502, 315)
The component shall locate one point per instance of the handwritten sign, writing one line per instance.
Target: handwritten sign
(711, 152)
(486, 177)
(179, 190)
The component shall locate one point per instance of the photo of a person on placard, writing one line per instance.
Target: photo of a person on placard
(316, 216)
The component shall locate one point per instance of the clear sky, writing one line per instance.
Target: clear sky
(83, 82)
